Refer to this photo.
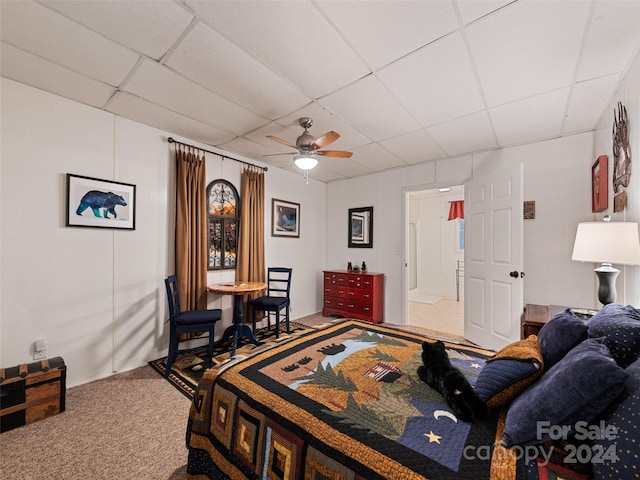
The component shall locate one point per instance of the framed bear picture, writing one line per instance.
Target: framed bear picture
(92, 202)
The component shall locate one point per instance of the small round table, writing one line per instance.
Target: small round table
(238, 329)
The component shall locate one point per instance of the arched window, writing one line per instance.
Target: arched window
(222, 208)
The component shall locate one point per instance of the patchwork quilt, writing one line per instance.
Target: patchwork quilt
(341, 402)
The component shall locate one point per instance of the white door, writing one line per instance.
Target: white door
(493, 300)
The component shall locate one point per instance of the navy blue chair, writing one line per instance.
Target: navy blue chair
(193, 321)
(276, 299)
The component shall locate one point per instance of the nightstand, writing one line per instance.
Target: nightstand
(535, 316)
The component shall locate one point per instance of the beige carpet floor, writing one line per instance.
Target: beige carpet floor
(128, 426)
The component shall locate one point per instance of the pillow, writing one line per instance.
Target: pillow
(621, 327)
(509, 372)
(621, 432)
(559, 335)
(577, 388)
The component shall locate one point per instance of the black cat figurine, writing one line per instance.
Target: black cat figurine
(442, 376)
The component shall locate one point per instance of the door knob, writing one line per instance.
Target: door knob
(514, 274)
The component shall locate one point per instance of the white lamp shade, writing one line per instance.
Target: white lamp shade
(607, 242)
(305, 162)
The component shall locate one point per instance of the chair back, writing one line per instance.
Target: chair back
(173, 296)
(278, 281)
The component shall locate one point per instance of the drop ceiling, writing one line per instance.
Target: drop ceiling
(402, 82)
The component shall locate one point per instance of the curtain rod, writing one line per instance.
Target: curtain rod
(172, 140)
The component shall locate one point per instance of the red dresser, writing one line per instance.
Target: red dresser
(354, 295)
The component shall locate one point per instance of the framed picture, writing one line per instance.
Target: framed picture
(92, 202)
(599, 182)
(285, 218)
(361, 227)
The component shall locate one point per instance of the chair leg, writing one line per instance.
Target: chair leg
(253, 314)
(171, 356)
(288, 331)
(209, 362)
(277, 323)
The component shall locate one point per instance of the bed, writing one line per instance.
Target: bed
(344, 401)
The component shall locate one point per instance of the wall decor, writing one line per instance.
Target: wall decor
(621, 149)
(223, 219)
(92, 202)
(361, 227)
(620, 202)
(529, 210)
(285, 218)
(599, 184)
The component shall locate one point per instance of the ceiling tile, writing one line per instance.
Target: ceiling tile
(140, 110)
(588, 101)
(471, 10)
(436, 83)
(208, 58)
(612, 39)
(376, 158)
(527, 48)
(407, 26)
(344, 167)
(37, 72)
(414, 147)
(464, 135)
(534, 118)
(64, 42)
(147, 27)
(165, 87)
(292, 38)
(249, 149)
(368, 104)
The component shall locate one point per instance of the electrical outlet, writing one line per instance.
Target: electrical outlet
(39, 349)
(39, 355)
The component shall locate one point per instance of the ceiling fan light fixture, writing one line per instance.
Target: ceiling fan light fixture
(305, 162)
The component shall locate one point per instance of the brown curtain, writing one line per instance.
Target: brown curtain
(250, 265)
(191, 228)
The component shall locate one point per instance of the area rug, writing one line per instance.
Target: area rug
(189, 366)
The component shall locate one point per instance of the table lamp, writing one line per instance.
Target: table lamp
(608, 243)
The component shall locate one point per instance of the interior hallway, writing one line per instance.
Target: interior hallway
(445, 315)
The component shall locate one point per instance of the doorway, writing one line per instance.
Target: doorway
(435, 261)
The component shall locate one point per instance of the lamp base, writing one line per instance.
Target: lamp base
(607, 275)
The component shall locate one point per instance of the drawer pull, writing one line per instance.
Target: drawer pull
(340, 304)
(351, 306)
(367, 308)
(351, 293)
(366, 295)
(340, 292)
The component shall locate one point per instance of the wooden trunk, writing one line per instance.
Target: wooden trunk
(31, 392)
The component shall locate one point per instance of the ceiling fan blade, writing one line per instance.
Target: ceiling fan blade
(325, 139)
(334, 153)
(283, 142)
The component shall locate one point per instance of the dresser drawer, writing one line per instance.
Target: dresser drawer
(335, 291)
(360, 294)
(358, 308)
(335, 303)
(335, 279)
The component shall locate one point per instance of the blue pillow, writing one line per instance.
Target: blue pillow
(559, 335)
(509, 372)
(577, 388)
(621, 327)
(622, 424)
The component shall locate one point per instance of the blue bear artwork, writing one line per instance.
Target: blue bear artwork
(96, 200)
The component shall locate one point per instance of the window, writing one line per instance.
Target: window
(222, 208)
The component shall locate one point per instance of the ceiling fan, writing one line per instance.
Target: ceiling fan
(308, 146)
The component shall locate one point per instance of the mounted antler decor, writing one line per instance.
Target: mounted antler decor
(621, 157)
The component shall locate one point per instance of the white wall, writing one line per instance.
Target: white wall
(628, 284)
(97, 295)
(557, 177)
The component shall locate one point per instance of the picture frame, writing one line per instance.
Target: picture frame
(285, 218)
(599, 184)
(97, 203)
(360, 232)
